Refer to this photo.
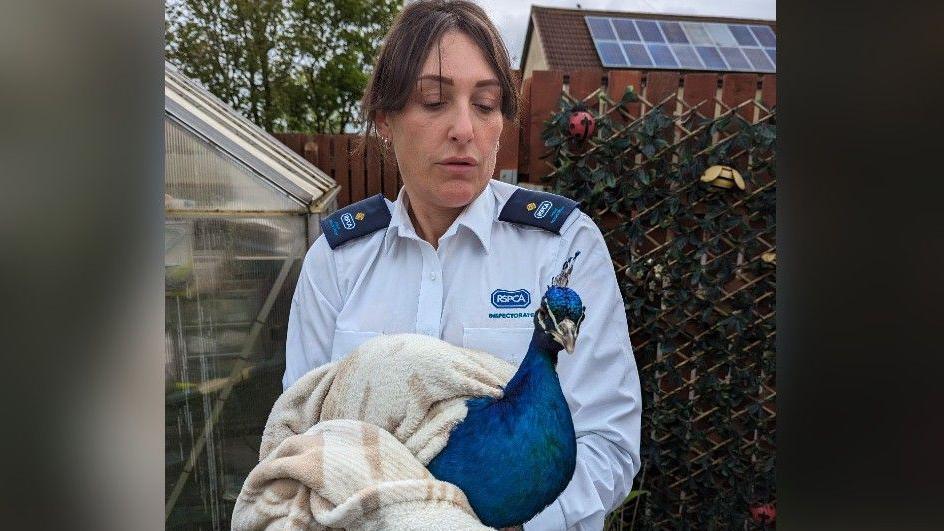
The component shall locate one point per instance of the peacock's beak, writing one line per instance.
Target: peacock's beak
(566, 334)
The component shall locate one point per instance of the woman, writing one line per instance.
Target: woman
(465, 258)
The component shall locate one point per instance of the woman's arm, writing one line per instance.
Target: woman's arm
(314, 310)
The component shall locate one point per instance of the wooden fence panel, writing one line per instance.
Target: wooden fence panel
(342, 168)
(769, 91)
(389, 171)
(699, 90)
(358, 179)
(545, 95)
(373, 177)
(310, 150)
(618, 81)
(524, 118)
(583, 82)
(325, 154)
(507, 158)
(738, 88)
(661, 84)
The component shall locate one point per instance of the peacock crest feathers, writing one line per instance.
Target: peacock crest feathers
(563, 277)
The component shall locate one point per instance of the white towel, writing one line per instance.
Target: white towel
(402, 395)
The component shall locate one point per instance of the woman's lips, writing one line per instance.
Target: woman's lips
(452, 167)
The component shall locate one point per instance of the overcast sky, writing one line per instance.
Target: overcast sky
(511, 16)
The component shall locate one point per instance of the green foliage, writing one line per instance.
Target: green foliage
(694, 265)
(288, 65)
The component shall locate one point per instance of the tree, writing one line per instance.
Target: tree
(286, 64)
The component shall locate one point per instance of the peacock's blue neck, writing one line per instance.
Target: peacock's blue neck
(538, 370)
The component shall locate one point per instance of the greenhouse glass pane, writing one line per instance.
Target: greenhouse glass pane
(673, 32)
(600, 28)
(198, 176)
(765, 35)
(696, 33)
(610, 54)
(742, 35)
(649, 31)
(637, 55)
(626, 30)
(662, 56)
(757, 58)
(687, 56)
(709, 55)
(735, 59)
(219, 272)
(720, 34)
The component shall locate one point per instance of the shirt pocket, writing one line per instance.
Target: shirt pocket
(509, 344)
(347, 340)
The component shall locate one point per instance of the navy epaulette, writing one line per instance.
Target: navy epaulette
(355, 220)
(540, 209)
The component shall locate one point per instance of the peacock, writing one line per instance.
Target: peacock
(514, 455)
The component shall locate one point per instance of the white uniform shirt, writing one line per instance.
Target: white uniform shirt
(392, 281)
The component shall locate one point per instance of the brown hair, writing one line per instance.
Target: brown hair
(412, 35)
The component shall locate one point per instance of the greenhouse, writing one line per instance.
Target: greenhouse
(241, 210)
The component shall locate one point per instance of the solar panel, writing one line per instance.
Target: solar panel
(600, 28)
(687, 57)
(673, 32)
(764, 35)
(662, 55)
(758, 59)
(742, 35)
(650, 31)
(696, 33)
(735, 58)
(772, 54)
(721, 34)
(689, 45)
(610, 54)
(626, 29)
(637, 54)
(709, 54)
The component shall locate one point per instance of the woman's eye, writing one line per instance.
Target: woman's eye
(433, 104)
(485, 108)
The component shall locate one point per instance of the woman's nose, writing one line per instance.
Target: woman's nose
(461, 129)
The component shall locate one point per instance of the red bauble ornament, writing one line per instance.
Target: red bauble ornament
(764, 514)
(581, 125)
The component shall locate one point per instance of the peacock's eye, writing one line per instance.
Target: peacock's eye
(542, 317)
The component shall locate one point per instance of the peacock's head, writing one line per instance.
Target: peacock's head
(561, 310)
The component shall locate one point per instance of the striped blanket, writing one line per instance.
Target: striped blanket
(347, 444)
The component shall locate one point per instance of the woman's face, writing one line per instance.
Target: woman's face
(446, 137)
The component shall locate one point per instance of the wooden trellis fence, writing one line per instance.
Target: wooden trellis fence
(696, 264)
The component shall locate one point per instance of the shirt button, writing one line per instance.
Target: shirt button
(432, 276)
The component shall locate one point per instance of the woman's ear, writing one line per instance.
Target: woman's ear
(382, 121)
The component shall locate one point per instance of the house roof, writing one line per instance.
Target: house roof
(228, 130)
(566, 39)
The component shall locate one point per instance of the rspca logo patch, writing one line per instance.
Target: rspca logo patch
(503, 298)
(348, 221)
(543, 209)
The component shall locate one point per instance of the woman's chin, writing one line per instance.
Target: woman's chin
(457, 193)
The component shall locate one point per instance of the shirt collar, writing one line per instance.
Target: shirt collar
(477, 216)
